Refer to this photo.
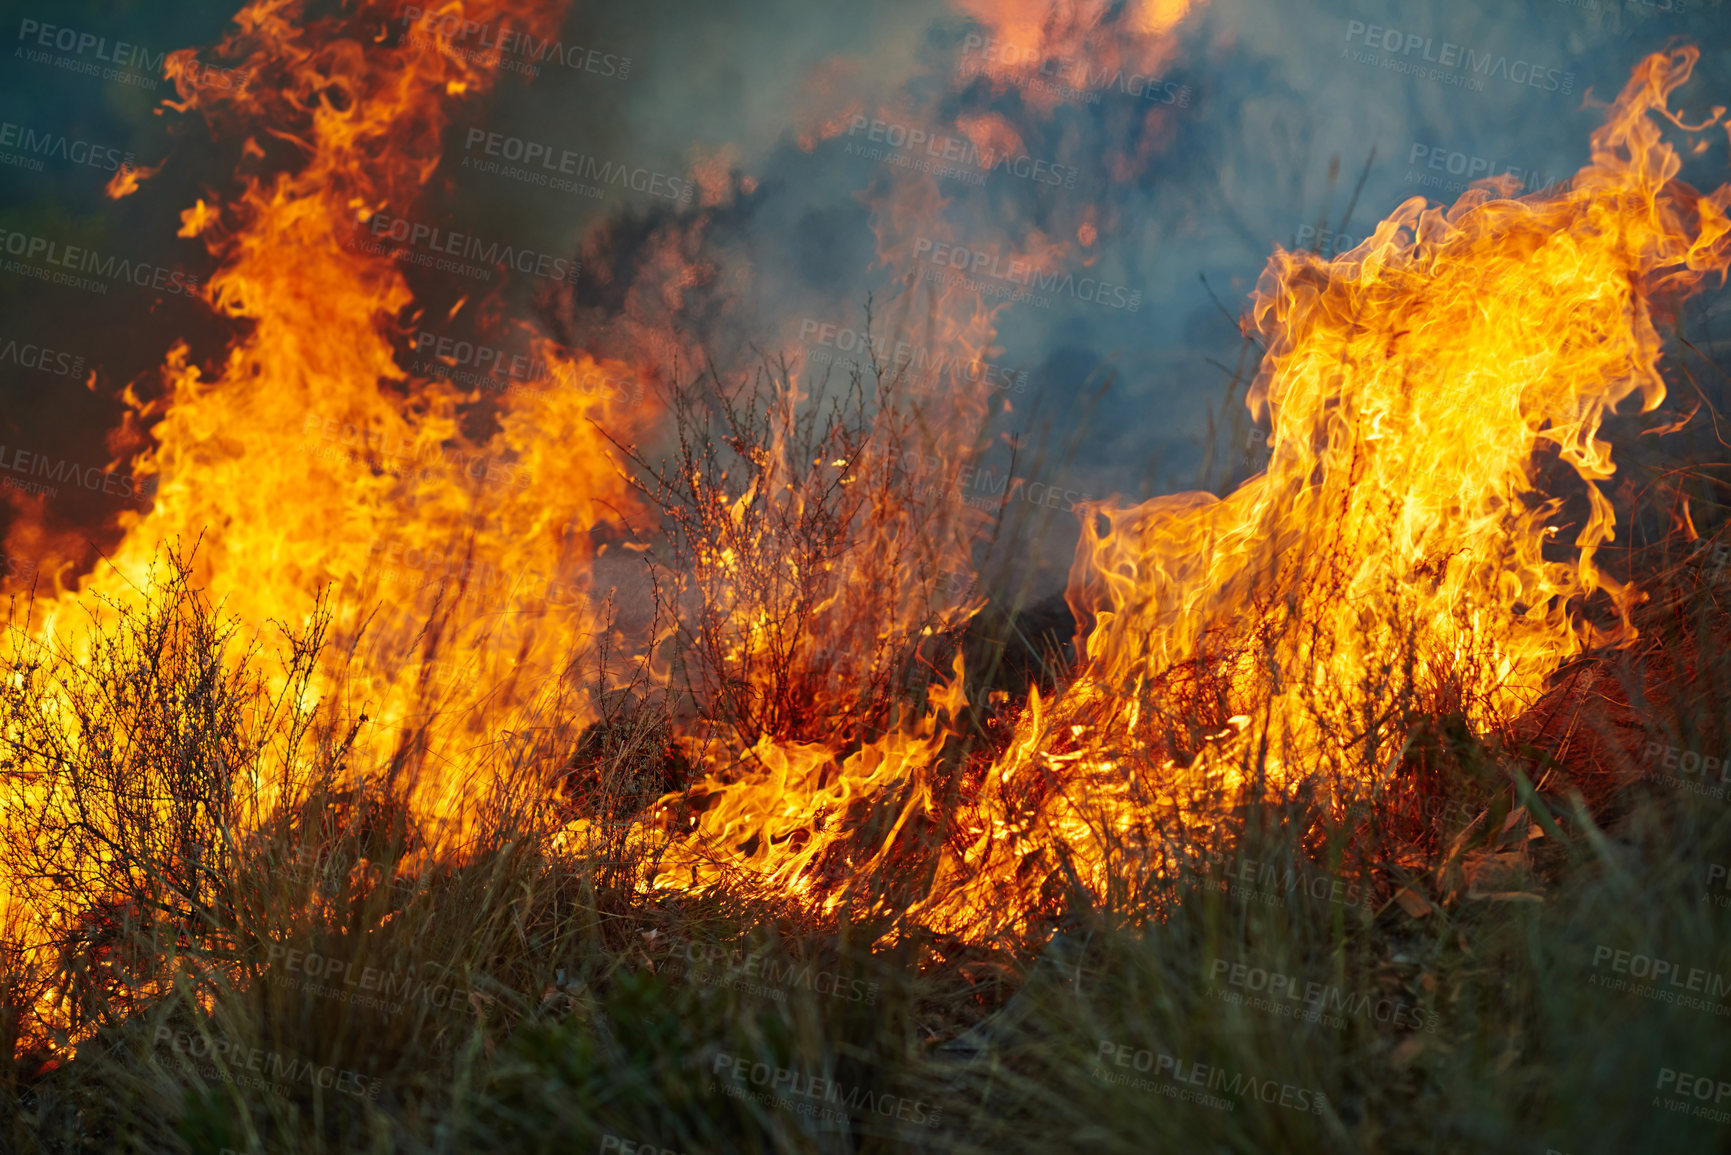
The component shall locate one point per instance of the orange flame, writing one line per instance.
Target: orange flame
(1417, 385)
(309, 460)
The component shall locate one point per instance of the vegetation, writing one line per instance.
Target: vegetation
(261, 950)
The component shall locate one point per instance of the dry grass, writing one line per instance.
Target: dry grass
(511, 993)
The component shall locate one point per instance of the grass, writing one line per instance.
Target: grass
(261, 950)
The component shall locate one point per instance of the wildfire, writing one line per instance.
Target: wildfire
(310, 459)
(1399, 549)
(1402, 546)
(310, 463)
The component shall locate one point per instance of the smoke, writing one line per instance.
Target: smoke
(1111, 177)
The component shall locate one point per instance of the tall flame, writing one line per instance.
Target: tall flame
(1400, 546)
(1403, 541)
(310, 461)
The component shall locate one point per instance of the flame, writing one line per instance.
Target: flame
(1400, 545)
(1082, 46)
(1403, 541)
(786, 817)
(1085, 28)
(1416, 384)
(308, 460)
(310, 452)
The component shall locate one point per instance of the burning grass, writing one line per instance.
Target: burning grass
(1299, 843)
(1430, 971)
(252, 945)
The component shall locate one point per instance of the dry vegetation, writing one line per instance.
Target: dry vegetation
(218, 853)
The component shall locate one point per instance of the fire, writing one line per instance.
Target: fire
(1403, 545)
(1400, 547)
(1139, 37)
(451, 533)
(309, 461)
(311, 456)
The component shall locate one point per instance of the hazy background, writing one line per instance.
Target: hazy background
(1186, 201)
